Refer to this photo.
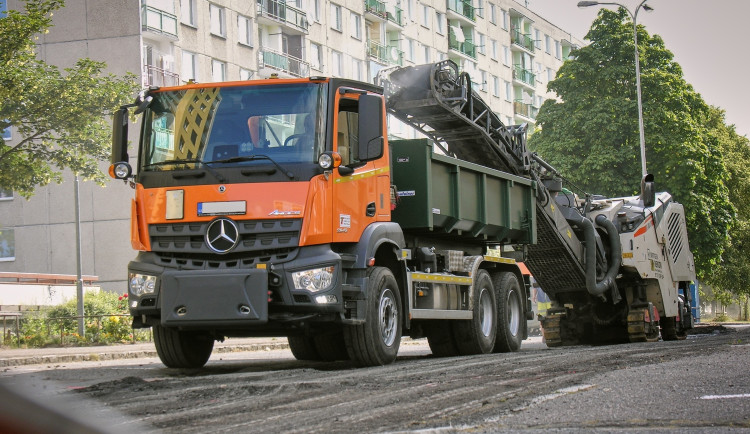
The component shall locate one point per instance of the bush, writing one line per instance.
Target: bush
(106, 320)
(722, 317)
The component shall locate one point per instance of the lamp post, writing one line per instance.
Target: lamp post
(634, 16)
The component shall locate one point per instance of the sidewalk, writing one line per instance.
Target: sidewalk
(35, 356)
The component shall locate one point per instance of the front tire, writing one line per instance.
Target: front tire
(477, 335)
(182, 349)
(376, 342)
(511, 320)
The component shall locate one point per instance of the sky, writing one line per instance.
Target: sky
(707, 38)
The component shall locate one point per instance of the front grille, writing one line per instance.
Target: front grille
(183, 245)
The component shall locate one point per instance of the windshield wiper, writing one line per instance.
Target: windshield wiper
(213, 172)
(252, 158)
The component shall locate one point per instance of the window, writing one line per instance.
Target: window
(188, 12)
(504, 17)
(547, 44)
(495, 86)
(218, 70)
(217, 16)
(483, 84)
(356, 69)
(337, 61)
(539, 101)
(7, 245)
(410, 9)
(244, 30)
(439, 22)
(336, 17)
(7, 134)
(316, 56)
(426, 16)
(189, 66)
(550, 74)
(481, 48)
(246, 74)
(506, 55)
(426, 53)
(356, 21)
(508, 90)
(410, 49)
(316, 10)
(493, 14)
(538, 39)
(558, 52)
(480, 8)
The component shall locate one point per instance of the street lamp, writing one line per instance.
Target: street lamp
(634, 16)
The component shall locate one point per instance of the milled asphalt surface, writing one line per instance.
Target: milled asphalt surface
(35, 356)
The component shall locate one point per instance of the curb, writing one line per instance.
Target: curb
(117, 355)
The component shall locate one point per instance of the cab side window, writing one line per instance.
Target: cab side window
(348, 133)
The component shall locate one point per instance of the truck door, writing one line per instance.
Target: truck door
(363, 196)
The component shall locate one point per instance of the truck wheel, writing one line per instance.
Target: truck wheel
(670, 331)
(511, 319)
(330, 345)
(376, 342)
(440, 337)
(477, 335)
(303, 348)
(182, 349)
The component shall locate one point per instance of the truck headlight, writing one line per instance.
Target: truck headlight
(141, 284)
(317, 279)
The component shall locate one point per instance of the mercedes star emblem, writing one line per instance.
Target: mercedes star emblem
(222, 235)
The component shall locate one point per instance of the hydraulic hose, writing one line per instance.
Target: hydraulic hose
(615, 259)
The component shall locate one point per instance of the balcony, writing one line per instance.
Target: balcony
(524, 110)
(396, 17)
(291, 65)
(389, 54)
(463, 8)
(466, 47)
(524, 75)
(155, 76)
(521, 40)
(280, 12)
(158, 21)
(376, 8)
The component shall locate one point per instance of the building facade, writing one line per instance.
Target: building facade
(510, 52)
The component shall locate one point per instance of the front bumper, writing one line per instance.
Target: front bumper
(234, 298)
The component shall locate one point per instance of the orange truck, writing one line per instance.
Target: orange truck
(280, 207)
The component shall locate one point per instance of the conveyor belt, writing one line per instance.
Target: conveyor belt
(439, 102)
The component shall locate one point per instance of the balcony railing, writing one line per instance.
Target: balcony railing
(396, 16)
(375, 7)
(280, 11)
(467, 47)
(283, 62)
(526, 110)
(385, 53)
(522, 40)
(155, 76)
(462, 7)
(523, 75)
(158, 21)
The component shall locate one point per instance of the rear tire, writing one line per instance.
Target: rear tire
(511, 320)
(440, 337)
(182, 349)
(376, 342)
(330, 345)
(477, 335)
(303, 348)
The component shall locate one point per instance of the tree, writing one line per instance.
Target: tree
(591, 135)
(60, 116)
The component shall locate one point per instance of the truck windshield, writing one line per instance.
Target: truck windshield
(220, 125)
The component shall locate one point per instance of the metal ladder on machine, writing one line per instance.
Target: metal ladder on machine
(438, 101)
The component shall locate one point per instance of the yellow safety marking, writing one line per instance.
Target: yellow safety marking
(421, 277)
(261, 266)
(570, 235)
(627, 255)
(500, 260)
(552, 207)
(362, 175)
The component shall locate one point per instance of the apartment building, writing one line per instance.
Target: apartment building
(510, 52)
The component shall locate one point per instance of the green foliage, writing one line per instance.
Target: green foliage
(60, 116)
(592, 136)
(106, 321)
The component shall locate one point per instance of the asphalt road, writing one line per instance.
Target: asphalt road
(697, 385)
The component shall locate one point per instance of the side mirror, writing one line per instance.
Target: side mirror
(648, 191)
(370, 125)
(120, 168)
